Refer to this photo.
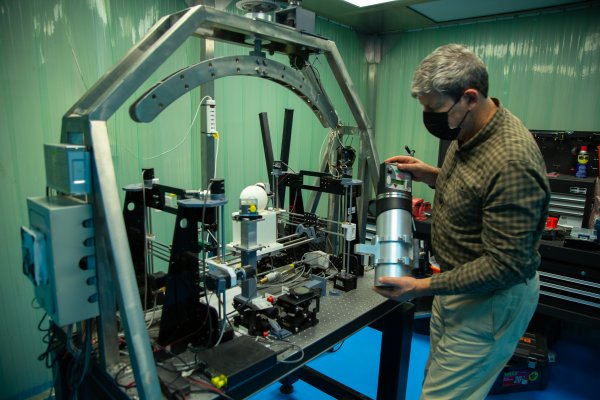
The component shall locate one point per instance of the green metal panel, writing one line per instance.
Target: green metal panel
(54, 50)
(544, 68)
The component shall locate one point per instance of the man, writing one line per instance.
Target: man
(489, 212)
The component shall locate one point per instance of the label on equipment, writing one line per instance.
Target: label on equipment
(518, 378)
(396, 179)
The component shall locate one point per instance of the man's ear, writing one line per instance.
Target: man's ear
(472, 95)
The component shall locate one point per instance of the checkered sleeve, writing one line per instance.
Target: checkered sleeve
(514, 213)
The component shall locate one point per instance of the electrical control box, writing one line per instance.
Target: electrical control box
(68, 168)
(59, 258)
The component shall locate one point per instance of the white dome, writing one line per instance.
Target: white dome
(256, 192)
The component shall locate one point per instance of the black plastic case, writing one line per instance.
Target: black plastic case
(527, 369)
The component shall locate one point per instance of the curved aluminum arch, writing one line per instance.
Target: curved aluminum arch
(161, 95)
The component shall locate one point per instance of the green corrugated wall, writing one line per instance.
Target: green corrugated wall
(544, 68)
(52, 51)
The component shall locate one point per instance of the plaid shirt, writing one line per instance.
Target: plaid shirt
(490, 209)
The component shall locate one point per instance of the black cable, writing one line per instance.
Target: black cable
(33, 301)
(333, 349)
(238, 308)
(189, 334)
(116, 378)
(77, 369)
(50, 340)
(189, 367)
(39, 325)
(169, 385)
(316, 71)
(87, 350)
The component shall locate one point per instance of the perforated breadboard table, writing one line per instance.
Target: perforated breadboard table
(341, 315)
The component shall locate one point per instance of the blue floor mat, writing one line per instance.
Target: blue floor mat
(356, 364)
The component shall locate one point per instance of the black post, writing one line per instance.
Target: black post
(286, 142)
(266, 137)
(396, 339)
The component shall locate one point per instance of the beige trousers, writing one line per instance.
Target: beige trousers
(472, 338)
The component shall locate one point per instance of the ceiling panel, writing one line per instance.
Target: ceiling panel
(403, 15)
(452, 10)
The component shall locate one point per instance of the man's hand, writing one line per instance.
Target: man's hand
(420, 171)
(402, 289)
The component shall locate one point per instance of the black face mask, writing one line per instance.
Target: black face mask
(437, 124)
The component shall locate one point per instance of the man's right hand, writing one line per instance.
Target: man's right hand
(420, 171)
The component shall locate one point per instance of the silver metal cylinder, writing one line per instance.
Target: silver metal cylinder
(394, 234)
(391, 249)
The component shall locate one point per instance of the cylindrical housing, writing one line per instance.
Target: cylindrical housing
(394, 231)
(394, 223)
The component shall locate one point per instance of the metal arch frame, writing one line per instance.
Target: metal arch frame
(161, 95)
(85, 123)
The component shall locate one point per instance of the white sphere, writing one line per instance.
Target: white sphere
(256, 192)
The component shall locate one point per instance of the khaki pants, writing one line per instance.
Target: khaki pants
(472, 338)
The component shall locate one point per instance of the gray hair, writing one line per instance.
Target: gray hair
(450, 70)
